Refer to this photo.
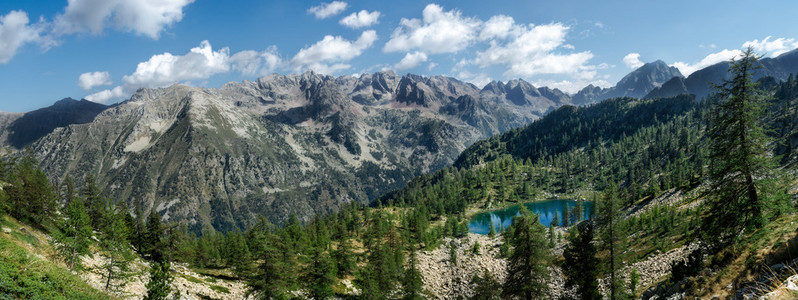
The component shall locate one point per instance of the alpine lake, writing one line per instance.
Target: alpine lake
(546, 210)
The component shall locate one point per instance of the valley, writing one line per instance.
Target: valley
(381, 186)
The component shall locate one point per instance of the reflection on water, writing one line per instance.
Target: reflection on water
(502, 219)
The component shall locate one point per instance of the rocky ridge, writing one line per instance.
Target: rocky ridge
(295, 144)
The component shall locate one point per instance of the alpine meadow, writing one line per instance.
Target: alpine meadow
(398, 150)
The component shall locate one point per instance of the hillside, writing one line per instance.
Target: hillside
(299, 144)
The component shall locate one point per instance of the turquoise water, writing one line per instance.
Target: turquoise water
(502, 219)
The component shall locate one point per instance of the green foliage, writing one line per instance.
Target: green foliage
(159, 286)
(74, 238)
(30, 195)
(580, 265)
(634, 281)
(527, 273)
(320, 275)
(24, 276)
(153, 244)
(117, 247)
(412, 283)
(612, 238)
(737, 145)
(486, 287)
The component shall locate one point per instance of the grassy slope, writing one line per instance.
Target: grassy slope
(27, 273)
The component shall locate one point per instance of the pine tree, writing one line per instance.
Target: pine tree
(580, 266)
(159, 286)
(609, 219)
(527, 269)
(738, 156)
(75, 236)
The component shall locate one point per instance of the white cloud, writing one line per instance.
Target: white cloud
(326, 10)
(571, 86)
(532, 50)
(332, 49)
(632, 60)
(361, 19)
(105, 95)
(724, 55)
(497, 27)
(438, 32)
(411, 60)
(254, 63)
(480, 80)
(144, 17)
(431, 66)
(772, 48)
(15, 32)
(89, 80)
(165, 69)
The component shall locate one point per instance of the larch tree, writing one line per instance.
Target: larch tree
(737, 154)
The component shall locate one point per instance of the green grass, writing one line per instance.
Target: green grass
(25, 276)
(220, 289)
(192, 278)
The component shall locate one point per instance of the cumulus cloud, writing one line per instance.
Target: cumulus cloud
(532, 49)
(632, 60)
(686, 68)
(326, 10)
(105, 95)
(774, 47)
(332, 50)
(162, 70)
(144, 17)
(361, 19)
(165, 69)
(15, 32)
(411, 60)
(89, 80)
(497, 27)
(254, 63)
(437, 32)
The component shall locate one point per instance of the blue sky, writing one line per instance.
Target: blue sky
(104, 50)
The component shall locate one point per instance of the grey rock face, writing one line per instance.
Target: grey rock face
(297, 144)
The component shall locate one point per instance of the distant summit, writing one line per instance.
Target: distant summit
(636, 84)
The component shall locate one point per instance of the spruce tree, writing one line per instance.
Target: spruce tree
(527, 269)
(580, 266)
(738, 157)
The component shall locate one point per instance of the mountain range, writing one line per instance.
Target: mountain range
(301, 144)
